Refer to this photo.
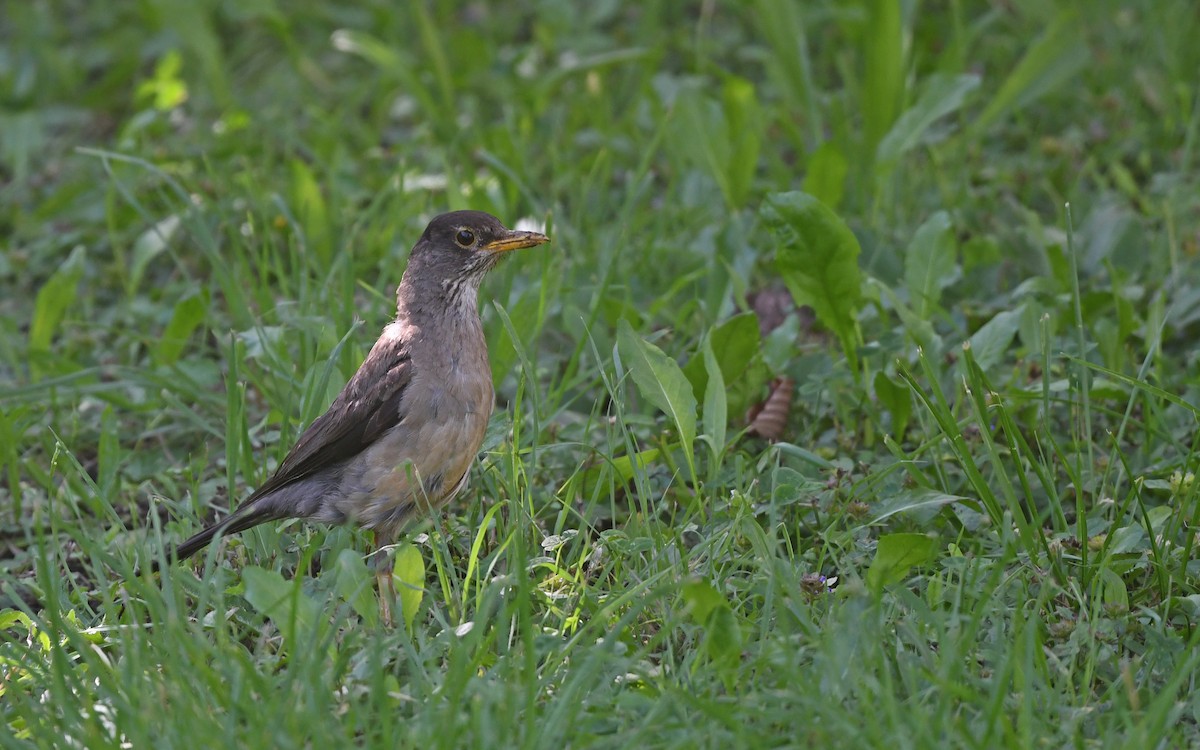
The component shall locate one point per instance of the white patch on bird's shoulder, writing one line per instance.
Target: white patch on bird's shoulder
(397, 331)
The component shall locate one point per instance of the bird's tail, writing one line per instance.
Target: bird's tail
(243, 518)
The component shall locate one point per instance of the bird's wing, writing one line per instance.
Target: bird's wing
(366, 408)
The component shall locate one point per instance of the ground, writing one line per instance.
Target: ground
(853, 405)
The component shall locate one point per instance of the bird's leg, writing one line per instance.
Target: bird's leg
(383, 579)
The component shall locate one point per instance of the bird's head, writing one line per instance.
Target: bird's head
(459, 247)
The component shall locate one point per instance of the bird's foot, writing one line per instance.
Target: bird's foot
(382, 562)
(387, 594)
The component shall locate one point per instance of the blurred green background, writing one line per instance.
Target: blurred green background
(205, 206)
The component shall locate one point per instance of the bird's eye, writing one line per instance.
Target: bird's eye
(465, 237)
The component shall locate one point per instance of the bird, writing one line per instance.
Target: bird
(401, 436)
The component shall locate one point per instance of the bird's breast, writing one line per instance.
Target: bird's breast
(421, 461)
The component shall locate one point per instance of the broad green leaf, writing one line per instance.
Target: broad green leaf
(735, 343)
(782, 25)
(817, 257)
(625, 466)
(1127, 539)
(981, 252)
(408, 571)
(723, 643)
(296, 615)
(1055, 57)
(1163, 514)
(883, 78)
(804, 454)
(825, 176)
(55, 297)
(744, 124)
(1188, 605)
(992, 340)
(660, 381)
(913, 502)
(10, 618)
(723, 137)
(942, 95)
(700, 598)
(308, 202)
(716, 415)
(1115, 594)
(622, 466)
(897, 399)
(722, 640)
(187, 316)
(355, 584)
(895, 556)
(929, 263)
(702, 135)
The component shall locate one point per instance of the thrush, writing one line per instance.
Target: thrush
(401, 436)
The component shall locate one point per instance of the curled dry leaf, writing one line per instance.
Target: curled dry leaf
(769, 418)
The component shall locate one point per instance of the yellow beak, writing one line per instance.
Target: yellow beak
(515, 241)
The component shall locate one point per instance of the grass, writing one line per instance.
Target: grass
(974, 526)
